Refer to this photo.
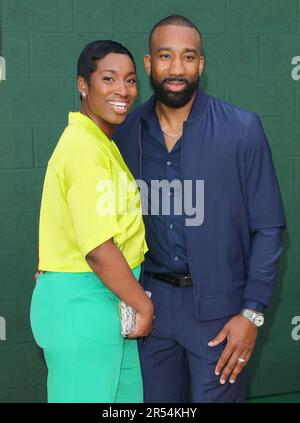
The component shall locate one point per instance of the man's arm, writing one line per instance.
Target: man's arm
(265, 216)
(266, 223)
(267, 246)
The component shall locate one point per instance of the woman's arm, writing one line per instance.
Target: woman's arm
(110, 266)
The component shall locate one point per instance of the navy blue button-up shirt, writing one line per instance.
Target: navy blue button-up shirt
(165, 228)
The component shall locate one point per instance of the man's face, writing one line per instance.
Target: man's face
(174, 64)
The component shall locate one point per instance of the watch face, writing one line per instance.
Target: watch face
(259, 320)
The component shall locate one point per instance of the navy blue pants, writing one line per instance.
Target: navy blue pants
(177, 364)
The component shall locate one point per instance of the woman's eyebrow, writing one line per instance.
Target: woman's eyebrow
(108, 70)
(114, 71)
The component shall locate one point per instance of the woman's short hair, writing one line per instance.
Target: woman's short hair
(97, 50)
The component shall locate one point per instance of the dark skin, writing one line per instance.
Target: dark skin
(113, 81)
(107, 99)
(110, 266)
(176, 52)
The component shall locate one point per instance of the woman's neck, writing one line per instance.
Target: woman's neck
(105, 127)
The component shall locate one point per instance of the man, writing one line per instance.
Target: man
(212, 274)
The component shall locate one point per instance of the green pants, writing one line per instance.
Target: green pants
(75, 319)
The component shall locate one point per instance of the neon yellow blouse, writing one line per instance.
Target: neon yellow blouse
(89, 196)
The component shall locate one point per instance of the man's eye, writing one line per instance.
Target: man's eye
(164, 56)
(189, 58)
(107, 78)
(132, 81)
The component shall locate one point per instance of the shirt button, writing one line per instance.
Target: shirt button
(176, 258)
(169, 163)
(171, 226)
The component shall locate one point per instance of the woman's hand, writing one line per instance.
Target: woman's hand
(144, 323)
(37, 273)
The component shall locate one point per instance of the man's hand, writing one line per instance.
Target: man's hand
(241, 335)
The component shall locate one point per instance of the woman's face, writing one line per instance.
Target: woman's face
(112, 89)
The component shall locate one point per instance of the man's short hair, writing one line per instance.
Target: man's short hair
(176, 20)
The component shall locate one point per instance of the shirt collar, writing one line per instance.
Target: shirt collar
(79, 119)
(198, 106)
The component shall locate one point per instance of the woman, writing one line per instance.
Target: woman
(91, 244)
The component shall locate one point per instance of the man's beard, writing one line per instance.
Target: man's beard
(170, 98)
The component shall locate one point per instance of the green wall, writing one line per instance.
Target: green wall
(249, 47)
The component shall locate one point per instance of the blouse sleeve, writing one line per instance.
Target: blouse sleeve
(93, 207)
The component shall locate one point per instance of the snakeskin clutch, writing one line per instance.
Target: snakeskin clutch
(127, 317)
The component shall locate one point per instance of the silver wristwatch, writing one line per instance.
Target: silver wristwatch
(255, 317)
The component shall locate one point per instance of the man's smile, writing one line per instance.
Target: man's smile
(175, 86)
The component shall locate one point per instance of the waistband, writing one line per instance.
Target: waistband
(65, 276)
(173, 279)
(71, 274)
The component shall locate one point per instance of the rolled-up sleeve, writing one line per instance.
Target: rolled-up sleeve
(92, 203)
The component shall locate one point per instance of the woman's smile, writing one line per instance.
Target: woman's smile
(120, 107)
